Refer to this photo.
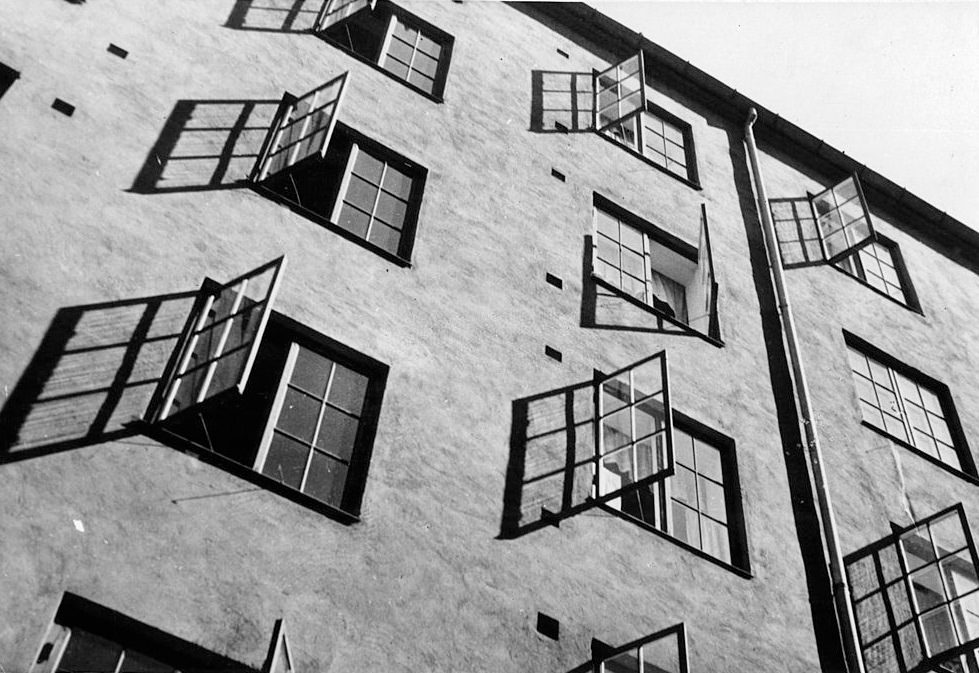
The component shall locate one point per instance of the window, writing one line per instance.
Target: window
(401, 44)
(282, 405)
(880, 266)
(916, 596)
(655, 269)
(665, 140)
(822, 228)
(699, 505)
(907, 406)
(85, 636)
(338, 177)
(661, 652)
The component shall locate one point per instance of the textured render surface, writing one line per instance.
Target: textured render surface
(422, 582)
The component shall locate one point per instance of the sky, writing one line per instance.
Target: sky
(894, 85)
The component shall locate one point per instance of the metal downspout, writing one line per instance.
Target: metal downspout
(841, 592)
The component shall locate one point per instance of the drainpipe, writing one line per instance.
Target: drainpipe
(841, 592)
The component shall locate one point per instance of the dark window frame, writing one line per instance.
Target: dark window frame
(391, 10)
(737, 533)
(287, 330)
(418, 173)
(900, 267)
(967, 471)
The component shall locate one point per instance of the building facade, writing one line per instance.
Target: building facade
(346, 337)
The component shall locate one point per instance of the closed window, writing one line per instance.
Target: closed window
(277, 403)
(385, 35)
(907, 406)
(338, 177)
(699, 505)
(880, 266)
(659, 271)
(661, 138)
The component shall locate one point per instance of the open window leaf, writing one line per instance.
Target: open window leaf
(842, 218)
(301, 129)
(217, 348)
(334, 12)
(620, 92)
(634, 443)
(702, 291)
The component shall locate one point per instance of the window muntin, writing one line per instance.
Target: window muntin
(661, 652)
(665, 274)
(392, 39)
(313, 429)
(903, 408)
(916, 595)
(876, 265)
(338, 177)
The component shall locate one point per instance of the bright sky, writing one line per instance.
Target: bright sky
(894, 85)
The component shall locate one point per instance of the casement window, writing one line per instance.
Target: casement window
(85, 636)
(661, 652)
(270, 399)
(916, 596)
(880, 266)
(822, 228)
(386, 36)
(699, 505)
(659, 271)
(338, 177)
(907, 406)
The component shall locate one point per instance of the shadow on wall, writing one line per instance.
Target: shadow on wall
(92, 374)
(561, 102)
(552, 450)
(274, 16)
(603, 308)
(206, 145)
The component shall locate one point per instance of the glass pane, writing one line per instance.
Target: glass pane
(633, 263)
(939, 633)
(960, 574)
(607, 224)
(685, 486)
(615, 395)
(948, 533)
(299, 415)
(608, 250)
(648, 378)
(429, 46)
(421, 80)
(649, 417)
(683, 448)
(686, 526)
(632, 238)
(709, 461)
(966, 613)
(426, 65)
(312, 372)
(617, 429)
(397, 182)
(396, 68)
(286, 460)
(338, 433)
(712, 499)
(916, 546)
(404, 32)
(385, 237)
(326, 479)
(88, 653)
(400, 50)
(368, 166)
(353, 220)
(716, 540)
(361, 194)
(391, 209)
(927, 587)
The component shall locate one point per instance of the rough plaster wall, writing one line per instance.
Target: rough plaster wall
(422, 583)
(874, 481)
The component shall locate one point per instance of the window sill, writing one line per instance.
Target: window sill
(694, 184)
(913, 309)
(244, 472)
(972, 479)
(740, 572)
(430, 96)
(322, 221)
(687, 329)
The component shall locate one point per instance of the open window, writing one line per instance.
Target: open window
(661, 652)
(822, 228)
(338, 177)
(634, 428)
(620, 93)
(655, 269)
(916, 596)
(269, 399)
(390, 38)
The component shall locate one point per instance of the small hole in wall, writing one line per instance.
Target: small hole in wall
(564, 53)
(554, 280)
(548, 626)
(117, 51)
(64, 108)
(552, 353)
(558, 174)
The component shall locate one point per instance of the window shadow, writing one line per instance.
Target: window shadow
(605, 308)
(561, 102)
(550, 472)
(206, 145)
(92, 374)
(274, 16)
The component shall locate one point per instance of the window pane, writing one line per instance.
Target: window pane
(338, 433)
(716, 542)
(286, 460)
(396, 68)
(353, 220)
(684, 483)
(326, 479)
(312, 372)
(88, 653)
(686, 526)
(927, 587)
(299, 415)
(948, 534)
(960, 574)
(391, 210)
(939, 634)
(385, 237)
(709, 461)
(400, 50)
(134, 662)
(429, 46)
(712, 499)
(361, 194)
(397, 182)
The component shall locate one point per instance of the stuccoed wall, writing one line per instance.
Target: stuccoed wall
(422, 582)
(874, 481)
